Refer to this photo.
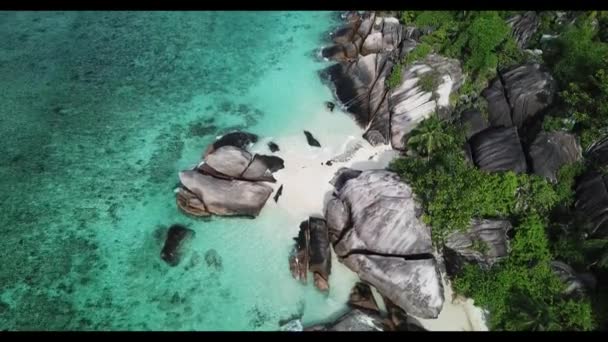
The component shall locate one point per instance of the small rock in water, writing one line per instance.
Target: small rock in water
(176, 236)
(311, 140)
(278, 194)
(330, 105)
(213, 260)
(273, 147)
(329, 163)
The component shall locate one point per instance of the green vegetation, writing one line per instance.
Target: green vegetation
(429, 81)
(394, 79)
(522, 292)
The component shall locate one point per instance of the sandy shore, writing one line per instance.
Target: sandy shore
(306, 189)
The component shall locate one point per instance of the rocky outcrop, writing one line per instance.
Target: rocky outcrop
(226, 197)
(592, 202)
(518, 95)
(227, 181)
(177, 235)
(550, 151)
(383, 239)
(498, 149)
(312, 252)
(410, 103)
(353, 320)
(473, 122)
(523, 27)
(483, 244)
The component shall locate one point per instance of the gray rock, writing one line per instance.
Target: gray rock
(337, 215)
(498, 149)
(319, 249)
(592, 202)
(343, 175)
(524, 26)
(484, 244)
(499, 111)
(550, 151)
(258, 170)
(353, 320)
(226, 197)
(413, 285)
(361, 297)
(575, 287)
(473, 122)
(409, 104)
(384, 230)
(228, 160)
(529, 89)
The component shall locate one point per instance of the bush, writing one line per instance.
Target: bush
(522, 293)
(429, 81)
(418, 53)
(566, 180)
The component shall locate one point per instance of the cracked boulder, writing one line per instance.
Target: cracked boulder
(483, 244)
(518, 95)
(384, 240)
(552, 150)
(498, 149)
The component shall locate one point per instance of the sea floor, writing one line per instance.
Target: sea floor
(100, 110)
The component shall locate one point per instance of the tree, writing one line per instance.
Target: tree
(429, 137)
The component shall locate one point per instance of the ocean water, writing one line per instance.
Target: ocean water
(98, 113)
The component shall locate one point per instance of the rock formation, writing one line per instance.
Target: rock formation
(524, 26)
(550, 151)
(312, 252)
(374, 224)
(228, 181)
(483, 244)
(498, 149)
(311, 140)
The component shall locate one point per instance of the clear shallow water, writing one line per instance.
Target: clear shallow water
(99, 111)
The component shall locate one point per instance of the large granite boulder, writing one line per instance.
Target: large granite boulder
(226, 197)
(519, 94)
(592, 202)
(523, 27)
(409, 103)
(414, 285)
(484, 244)
(353, 320)
(473, 122)
(550, 151)
(498, 149)
(227, 160)
(384, 240)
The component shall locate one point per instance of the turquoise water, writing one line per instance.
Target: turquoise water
(99, 111)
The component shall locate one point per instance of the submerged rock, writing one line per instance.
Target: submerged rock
(498, 149)
(226, 197)
(483, 244)
(550, 151)
(176, 236)
(213, 260)
(299, 257)
(330, 106)
(237, 139)
(311, 140)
